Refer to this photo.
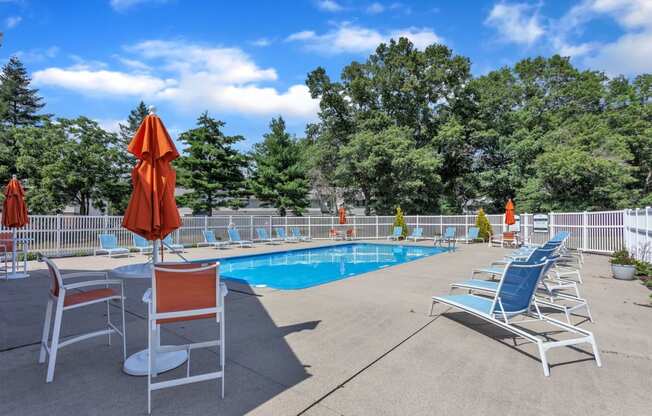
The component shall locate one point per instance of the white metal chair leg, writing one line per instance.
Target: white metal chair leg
(596, 352)
(47, 323)
(149, 369)
(54, 346)
(124, 328)
(108, 319)
(544, 359)
(222, 347)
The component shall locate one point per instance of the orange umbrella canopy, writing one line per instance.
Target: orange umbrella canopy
(509, 213)
(152, 211)
(14, 210)
(342, 213)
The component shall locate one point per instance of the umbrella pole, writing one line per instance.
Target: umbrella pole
(13, 251)
(155, 248)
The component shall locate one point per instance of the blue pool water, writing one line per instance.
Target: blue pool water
(300, 269)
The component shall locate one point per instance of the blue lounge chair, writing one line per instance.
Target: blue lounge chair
(471, 235)
(396, 234)
(210, 240)
(448, 238)
(109, 245)
(234, 238)
(169, 244)
(296, 233)
(263, 237)
(514, 297)
(417, 234)
(141, 244)
(280, 233)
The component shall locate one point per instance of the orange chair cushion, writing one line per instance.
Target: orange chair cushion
(185, 318)
(81, 297)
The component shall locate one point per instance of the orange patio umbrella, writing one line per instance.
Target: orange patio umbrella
(342, 213)
(509, 213)
(14, 215)
(152, 211)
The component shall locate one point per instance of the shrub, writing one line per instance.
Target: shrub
(399, 221)
(483, 224)
(622, 257)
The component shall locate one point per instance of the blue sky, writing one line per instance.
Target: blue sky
(246, 62)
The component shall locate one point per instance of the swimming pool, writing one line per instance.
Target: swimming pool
(303, 268)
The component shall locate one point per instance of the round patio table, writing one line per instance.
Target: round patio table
(136, 364)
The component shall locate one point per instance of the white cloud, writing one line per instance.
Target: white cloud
(122, 5)
(329, 6)
(37, 55)
(262, 42)
(12, 21)
(347, 38)
(190, 76)
(110, 125)
(375, 8)
(630, 54)
(517, 23)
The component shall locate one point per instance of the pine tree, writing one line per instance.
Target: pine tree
(482, 222)
(280, 175)
(212, 169)
(20, 103)
(399, 221)
(135, 118)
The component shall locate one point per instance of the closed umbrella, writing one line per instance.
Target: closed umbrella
(509, 213)
(14, 215)
(342, 213)
(152, 211)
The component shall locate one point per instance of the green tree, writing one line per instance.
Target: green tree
(280, 176)
(484, 226)
(399, 221)
(20, 103)
(212, 170)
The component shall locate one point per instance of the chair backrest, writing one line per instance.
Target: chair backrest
(473, 233)
(209, 236)
(56, 281)
(108, 241)
(397, 231)
(417, 232)
(234, 235)
(185, 287)
(262, 234)
(540, 254)
(140, 241)
(509, 235)
(296, 232)
(450, 232)
(7, 240)
(280, 232)
(517, 286)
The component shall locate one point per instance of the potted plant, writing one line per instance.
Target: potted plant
(623, 266)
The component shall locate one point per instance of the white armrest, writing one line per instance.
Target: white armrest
(93, 283)
(84, 274)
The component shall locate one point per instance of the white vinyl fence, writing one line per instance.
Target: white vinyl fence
(598, 232)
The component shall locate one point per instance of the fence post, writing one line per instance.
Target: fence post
(441, 225)
(377, 236)
(206, 223)
(286, 224)
(106, 223)
(636, 238)
(309, 228)
(417, 226)
(354, 228)
(466, 225)
(585, 231)
(58, 234)
(270, 226)
(646, 254)
(551, 222)
(251, 227)
(526, 235)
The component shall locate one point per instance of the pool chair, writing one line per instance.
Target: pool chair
(396, 234)
(263, 237)
(471, 235)
(210, 240)
(550, 292)
(296, 233)
(234, 238)
(507, 239)
(64, 296)
(280, 233)
(109, 245)
(186, 292)
(417, 234)
(448, 238)
(514, 298)
(169, 244)
(141, 244)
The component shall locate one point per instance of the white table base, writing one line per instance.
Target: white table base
(136, 364)
(16, 275)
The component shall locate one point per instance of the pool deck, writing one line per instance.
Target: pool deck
(359, 346)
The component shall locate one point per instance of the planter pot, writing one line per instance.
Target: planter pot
(623, 271)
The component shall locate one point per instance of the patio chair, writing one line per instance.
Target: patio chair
(448, 238)
(296, 233)
(64, 297)
(280, 233)
(141, 244)
(234, 238)
(169, 244)
(210, 240)
(514, 297)
(109, 245)
(263, 237)
(471, 235)
(507, 239)
(550, 291)
(350, 234)
(396, 234)
(417, 234)
(183, 292)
